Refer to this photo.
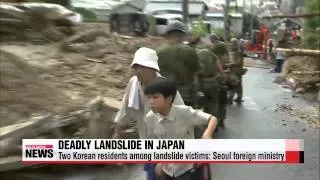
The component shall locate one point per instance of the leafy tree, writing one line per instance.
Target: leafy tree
(247, 22)
(200, 29)
(311, 32)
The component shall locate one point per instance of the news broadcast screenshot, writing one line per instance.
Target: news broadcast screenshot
(159, 89)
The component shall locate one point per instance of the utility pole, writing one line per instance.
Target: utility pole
(244, 6)
(226, 21)
(251, 20)
(185, 12)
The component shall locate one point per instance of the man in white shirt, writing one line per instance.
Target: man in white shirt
(135, 104)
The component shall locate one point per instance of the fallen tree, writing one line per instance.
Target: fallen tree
(299, 52)
(301, 73)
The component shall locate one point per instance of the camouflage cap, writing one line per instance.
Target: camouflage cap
(176, 26)
(234, 40)
(214, 37)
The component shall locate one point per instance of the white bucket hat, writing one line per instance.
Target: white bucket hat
(146, 57)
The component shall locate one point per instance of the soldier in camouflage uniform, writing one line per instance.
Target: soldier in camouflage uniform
(179, 62)
(237, 70)
(221, 52)
(210, 68)
(209, 82)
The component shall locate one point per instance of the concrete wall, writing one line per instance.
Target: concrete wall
(218, 23)
(236, 25)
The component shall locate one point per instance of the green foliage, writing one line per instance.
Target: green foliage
(200, 29)
(220, 32)
(86, 14)
(311, 37)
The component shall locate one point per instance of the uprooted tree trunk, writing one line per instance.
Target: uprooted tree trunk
(300, 52)
(301, 73)
(92, 121)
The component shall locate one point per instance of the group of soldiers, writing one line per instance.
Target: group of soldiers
(207, 75)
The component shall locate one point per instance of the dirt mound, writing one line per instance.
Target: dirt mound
(301, 73)
(91, 63)
(23, 92)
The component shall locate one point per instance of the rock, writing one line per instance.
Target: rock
(300, 90)
(118, 68)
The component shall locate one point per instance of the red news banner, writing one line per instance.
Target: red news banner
(107, 151)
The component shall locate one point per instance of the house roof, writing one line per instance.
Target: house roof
(115, 9)
(221, 15)
(215, 9)
(195, 7)
(287, 20)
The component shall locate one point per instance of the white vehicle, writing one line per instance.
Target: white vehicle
(163, 20)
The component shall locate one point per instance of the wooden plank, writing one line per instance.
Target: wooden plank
(21, 128)
(306, 72)
(12, 163)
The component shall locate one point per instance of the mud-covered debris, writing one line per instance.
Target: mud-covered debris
(284, 107)
(309, 115)
(300, 73)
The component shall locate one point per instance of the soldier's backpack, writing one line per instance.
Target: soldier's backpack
(180, 63)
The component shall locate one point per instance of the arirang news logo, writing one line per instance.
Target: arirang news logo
(39, 151)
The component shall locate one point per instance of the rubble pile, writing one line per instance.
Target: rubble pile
(90, 63)
(301, 73)
(36, 22)
(309, 115)
(92, 120)
(46, 88)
